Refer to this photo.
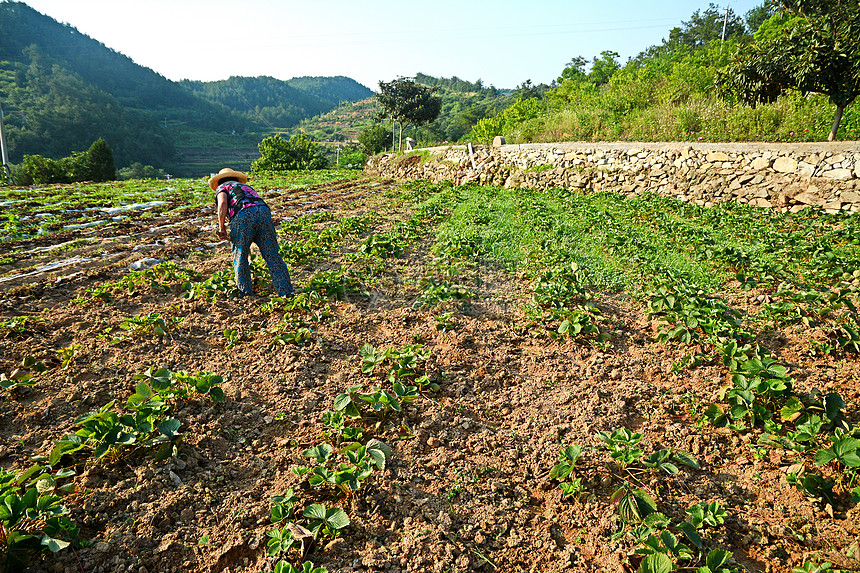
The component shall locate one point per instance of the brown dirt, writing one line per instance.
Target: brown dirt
(467, 487)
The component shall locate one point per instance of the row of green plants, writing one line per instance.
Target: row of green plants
(348, 460)
(660, 543)
(674, 256)
(32, 513)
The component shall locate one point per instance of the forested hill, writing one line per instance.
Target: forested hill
(61, 90)
(278, 103)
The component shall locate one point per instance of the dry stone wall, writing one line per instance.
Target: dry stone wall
(788, 177)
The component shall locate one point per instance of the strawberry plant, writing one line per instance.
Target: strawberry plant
(220, 285)
(336, 282)
(68, 355)
(404, 365)
(711, 514)
(19, 326)
(31, 516)
(231, 338)
(384, 245)
(337, 428)
(283, 507)
(307, 567)
(167, 386)
(145, 421)
(347, 477)
(152, 324)
(380, 402)
(436, 292)
(444, 323)
(104, 431)
(280, 541)
(662, 460)
(299, 337)
(845, 449)
(22, 377)
(326, 521)
(623, 445)
(567, 460)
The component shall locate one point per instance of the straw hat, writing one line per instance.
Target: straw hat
(224, 173)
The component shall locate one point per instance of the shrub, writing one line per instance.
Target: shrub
(374, 138)
(297, 153)
(140, 171)
(95, 164)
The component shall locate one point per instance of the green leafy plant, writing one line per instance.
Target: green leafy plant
(567, 460)
(307, 567)
(21, 377)
(622, 445)
(231, 338)
(634, 504)
(404, 365)
(844, 449)
(152, 324)
(68, 355)
(326, 521)
(338, 428)
(283, 507)
(662, 460)
(349, 476)
(711, 514)
(280, 540)
(32, 517)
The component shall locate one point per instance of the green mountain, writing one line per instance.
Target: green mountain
(60, 90)
(277, 104)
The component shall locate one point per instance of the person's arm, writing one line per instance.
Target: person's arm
(223, 205)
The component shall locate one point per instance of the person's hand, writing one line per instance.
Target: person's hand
(222, 234)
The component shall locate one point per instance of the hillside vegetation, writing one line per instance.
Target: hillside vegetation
(670, 92)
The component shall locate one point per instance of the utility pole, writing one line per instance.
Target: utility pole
(723, 35)
(5, 154)
(393, 124)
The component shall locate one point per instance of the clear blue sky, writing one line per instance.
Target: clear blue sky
(502, 42)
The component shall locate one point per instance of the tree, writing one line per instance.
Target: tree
(604, 67)
(757, 16)
(811, 46)
(528, 90)
(99, 162)
(704, 27)
(408, 102)
(299, 152)
(575, 70)
(374, 138)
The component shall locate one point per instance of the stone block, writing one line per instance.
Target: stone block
(805, 169)
(785, 165)
(760, 163)
(717, 157)
(850, 197)
(808, 198)
(838, 174)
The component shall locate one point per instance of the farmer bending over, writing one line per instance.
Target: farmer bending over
(250, 222)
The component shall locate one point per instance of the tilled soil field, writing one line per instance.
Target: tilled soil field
(471, 479)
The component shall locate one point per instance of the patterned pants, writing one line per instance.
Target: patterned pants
(254, 225)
